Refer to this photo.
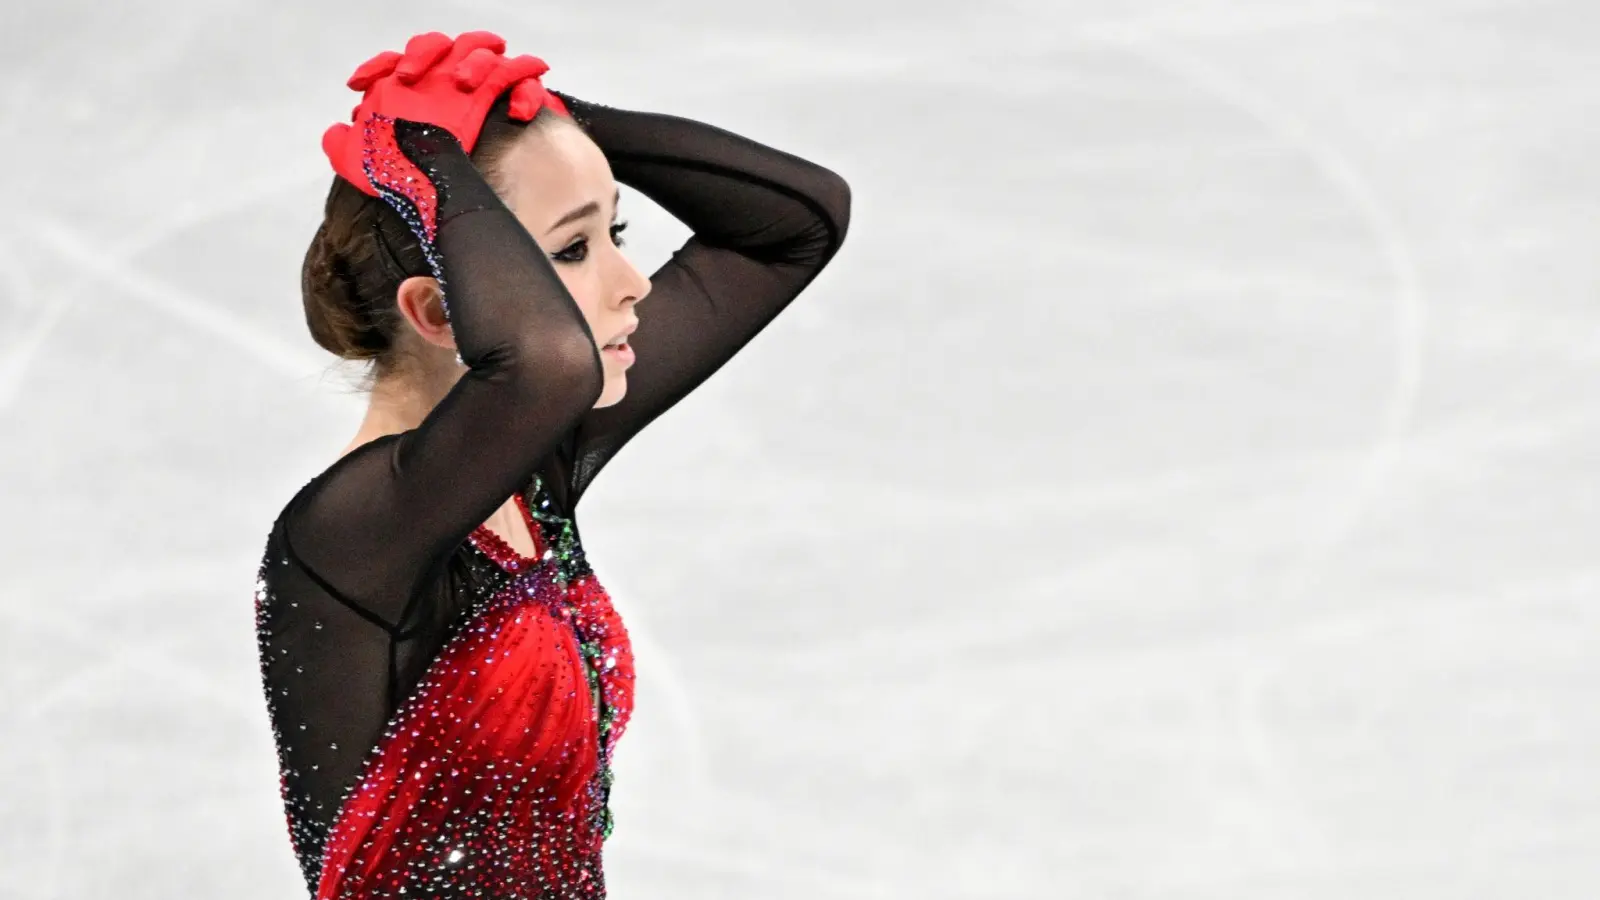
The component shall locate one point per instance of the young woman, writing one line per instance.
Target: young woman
(446, 678)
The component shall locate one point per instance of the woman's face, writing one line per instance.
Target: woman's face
(560, 187)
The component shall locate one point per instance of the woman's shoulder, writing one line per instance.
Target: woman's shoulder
(346, 469)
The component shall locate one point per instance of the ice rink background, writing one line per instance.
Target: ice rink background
(1183, 485)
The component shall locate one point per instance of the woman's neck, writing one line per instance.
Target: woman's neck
(396, 404)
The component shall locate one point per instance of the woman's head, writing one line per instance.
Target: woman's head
(368, 292)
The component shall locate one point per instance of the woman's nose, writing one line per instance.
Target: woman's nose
(634, 285)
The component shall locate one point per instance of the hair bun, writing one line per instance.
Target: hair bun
(339, 320)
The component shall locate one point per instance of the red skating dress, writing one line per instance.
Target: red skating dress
(497, 763)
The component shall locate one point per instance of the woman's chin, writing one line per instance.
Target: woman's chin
(615, 389)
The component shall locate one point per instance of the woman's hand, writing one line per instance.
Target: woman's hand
(437, 81)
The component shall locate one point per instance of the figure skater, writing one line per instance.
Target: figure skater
(446, 678)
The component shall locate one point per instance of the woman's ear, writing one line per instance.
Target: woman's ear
(422, 304)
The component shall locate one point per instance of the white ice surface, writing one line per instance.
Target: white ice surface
(1183, 486)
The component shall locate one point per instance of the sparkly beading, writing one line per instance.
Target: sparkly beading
(501, 553)
(413, 193)
(398, 179)
(492, 779)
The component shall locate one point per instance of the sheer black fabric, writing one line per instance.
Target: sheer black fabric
(368, 570)
(765, 223)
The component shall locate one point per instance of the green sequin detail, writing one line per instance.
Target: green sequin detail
(562, 539)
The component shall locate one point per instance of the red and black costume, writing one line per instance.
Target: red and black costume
(444, 709)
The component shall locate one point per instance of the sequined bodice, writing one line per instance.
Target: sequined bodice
(494, 768)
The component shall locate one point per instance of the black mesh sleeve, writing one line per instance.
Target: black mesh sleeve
(384, 518)
(764, 225)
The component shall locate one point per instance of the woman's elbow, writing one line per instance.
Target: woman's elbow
(837, 204)
(834, 199)
(820, 223)
(562, 370)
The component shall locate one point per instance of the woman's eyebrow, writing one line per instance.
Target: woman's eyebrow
(588, 209)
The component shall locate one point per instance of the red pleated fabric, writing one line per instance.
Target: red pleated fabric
(492, 779)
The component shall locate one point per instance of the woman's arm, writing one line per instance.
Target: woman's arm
(387, 515)
(765, 223)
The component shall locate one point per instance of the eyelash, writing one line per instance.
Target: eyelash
(578, 250)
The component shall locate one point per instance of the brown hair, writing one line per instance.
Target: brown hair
(363, 251)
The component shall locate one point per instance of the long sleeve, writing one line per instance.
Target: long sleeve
(764, 224)
(390, 513)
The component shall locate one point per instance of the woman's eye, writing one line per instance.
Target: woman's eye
(577, 251)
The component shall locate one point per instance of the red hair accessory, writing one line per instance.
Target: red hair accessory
(437, 81)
